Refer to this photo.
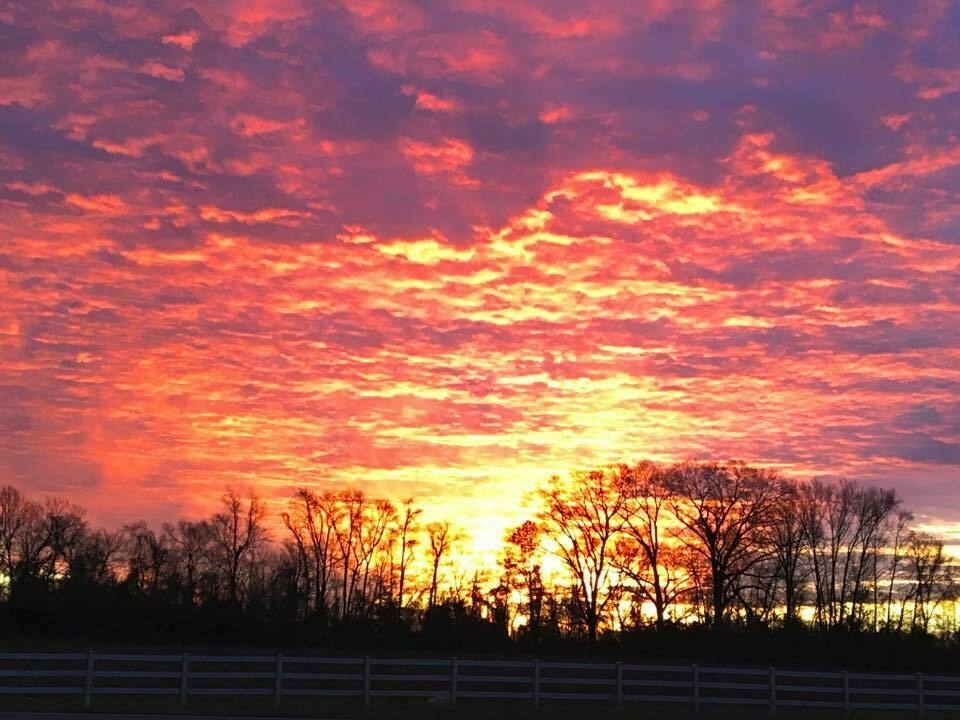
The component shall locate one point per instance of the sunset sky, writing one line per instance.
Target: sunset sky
(447, 249)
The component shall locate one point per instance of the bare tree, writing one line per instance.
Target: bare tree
(237, 535)
(642, 557)
(372, 553)
(442, 538)
(17, 516)
(67, 531)
(407, 531)
(26, 542)
(582, 519)
(521, 565)
(725, 511)
(826, 517)
(874, 507)
(894, 569)
(191, 545)
(347, 517)
(844, 525)
(149, 559)
(789, 544)
(101, 559)
(343, 544)
(313, 523)
(931, 580)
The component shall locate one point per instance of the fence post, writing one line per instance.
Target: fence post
(696, 689)
(920, 693)
(278, 680)
(619, 684)
(366, 681)
(773, 692)
(536, 684)
(846, 694)
(184, 678)
(88, 683)
(453, 681)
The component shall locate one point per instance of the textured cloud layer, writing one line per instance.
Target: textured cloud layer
(446, 249)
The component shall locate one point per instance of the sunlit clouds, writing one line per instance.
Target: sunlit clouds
(446, 250)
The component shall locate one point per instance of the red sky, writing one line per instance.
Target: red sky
(446, 249)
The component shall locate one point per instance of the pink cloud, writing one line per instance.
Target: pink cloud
(457, 248)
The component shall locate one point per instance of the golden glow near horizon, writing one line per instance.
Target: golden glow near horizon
(466, 256)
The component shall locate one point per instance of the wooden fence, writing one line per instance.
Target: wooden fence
(87, 676)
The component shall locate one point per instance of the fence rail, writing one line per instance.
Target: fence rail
(450, 680)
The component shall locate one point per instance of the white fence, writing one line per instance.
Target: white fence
(453, 680)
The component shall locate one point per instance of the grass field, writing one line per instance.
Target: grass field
(399, 709)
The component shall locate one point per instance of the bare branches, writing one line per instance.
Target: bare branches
(649, 565)
(725, 511)
(237, 535)
(442, 538)
(633, 545)
(582, 519)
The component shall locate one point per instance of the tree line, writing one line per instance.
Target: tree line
(608, 554)
(720, 543)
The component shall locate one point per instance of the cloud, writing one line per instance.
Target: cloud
(455, 247)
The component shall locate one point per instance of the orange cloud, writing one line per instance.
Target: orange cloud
(449, 156)
(448, 251)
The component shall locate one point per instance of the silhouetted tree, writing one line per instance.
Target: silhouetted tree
(582, 518)
(237, 534)
(875, 507)
(844, 525)
(191, 542)
(789, 545)
(312, 522)
(67, 532)
(26, 540)
(101, 560)
(890, 573)
(646, 563)
(441, 537)
(359, 530)
(931, 580)
(522, 575)
(720, 542)
(22, 535)
(406, 532)
(725, 511)
(149, 559)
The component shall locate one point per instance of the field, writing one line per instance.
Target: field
(132, 709)
(418, 709)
